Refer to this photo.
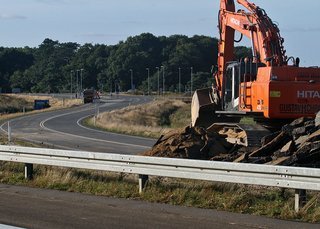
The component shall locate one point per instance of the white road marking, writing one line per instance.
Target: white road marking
(3, 226)
(3, 130)
(100, 131)
(42, 125)
(22, 117)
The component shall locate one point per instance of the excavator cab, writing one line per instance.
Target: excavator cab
(231, 97)
(238, 74)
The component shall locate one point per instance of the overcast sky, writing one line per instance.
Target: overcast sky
(29, 22)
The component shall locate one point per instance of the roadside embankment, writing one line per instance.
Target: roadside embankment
(147, 120)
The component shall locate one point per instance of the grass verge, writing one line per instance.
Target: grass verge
(147, 120)
(271, 202)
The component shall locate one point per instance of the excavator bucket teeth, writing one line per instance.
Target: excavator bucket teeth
(202, 108)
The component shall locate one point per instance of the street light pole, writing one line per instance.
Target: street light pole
(191, 80)
(158, 80)
(77, 71)
(71, 76)
(163, 89)
(179, 80)
(148, 70)
(131, 79)
(81, 77)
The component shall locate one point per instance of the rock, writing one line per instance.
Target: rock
(317, 119)
(266, 139)
(301, 140)
(288, 148)
(300, 122)
(242, 158)
(277, 143)
(314, 136)
(278, 161)
(297, 132)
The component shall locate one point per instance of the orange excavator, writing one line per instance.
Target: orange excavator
(268, 85)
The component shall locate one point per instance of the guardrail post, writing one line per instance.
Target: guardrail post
(142, 182)
(9, 132)
(300, 199)
(28, 171)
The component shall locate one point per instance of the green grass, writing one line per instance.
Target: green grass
(248, 121)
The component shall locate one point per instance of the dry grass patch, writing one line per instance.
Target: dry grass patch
(55, 103)
(149, 120)
(12, 105)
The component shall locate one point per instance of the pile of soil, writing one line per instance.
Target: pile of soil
(296, 144)
(192, 143)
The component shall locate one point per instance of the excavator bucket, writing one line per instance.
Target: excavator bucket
(203, 107)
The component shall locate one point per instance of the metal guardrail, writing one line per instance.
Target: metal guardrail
(265, 175)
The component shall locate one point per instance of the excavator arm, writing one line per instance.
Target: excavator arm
(267, 44)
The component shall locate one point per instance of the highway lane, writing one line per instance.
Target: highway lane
(63, 129)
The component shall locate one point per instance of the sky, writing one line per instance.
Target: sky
(29, 22)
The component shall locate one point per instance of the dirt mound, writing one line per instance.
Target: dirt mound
(192, 143)
(296, 144)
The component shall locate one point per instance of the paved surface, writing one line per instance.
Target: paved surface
(36, 208)
(63, 129)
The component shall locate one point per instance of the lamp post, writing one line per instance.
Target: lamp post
(191, 85)
(81, 77)
(77, 74)
(158, 80)
(148, 70)
(131, 71)
(179, 86)
(163, 80)
(71, 76)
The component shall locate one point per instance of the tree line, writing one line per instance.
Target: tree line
(54, 67)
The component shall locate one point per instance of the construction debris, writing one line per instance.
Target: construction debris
(297, 144)
(192, 143)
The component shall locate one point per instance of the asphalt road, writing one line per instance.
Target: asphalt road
(63, 129)
(37, 208)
